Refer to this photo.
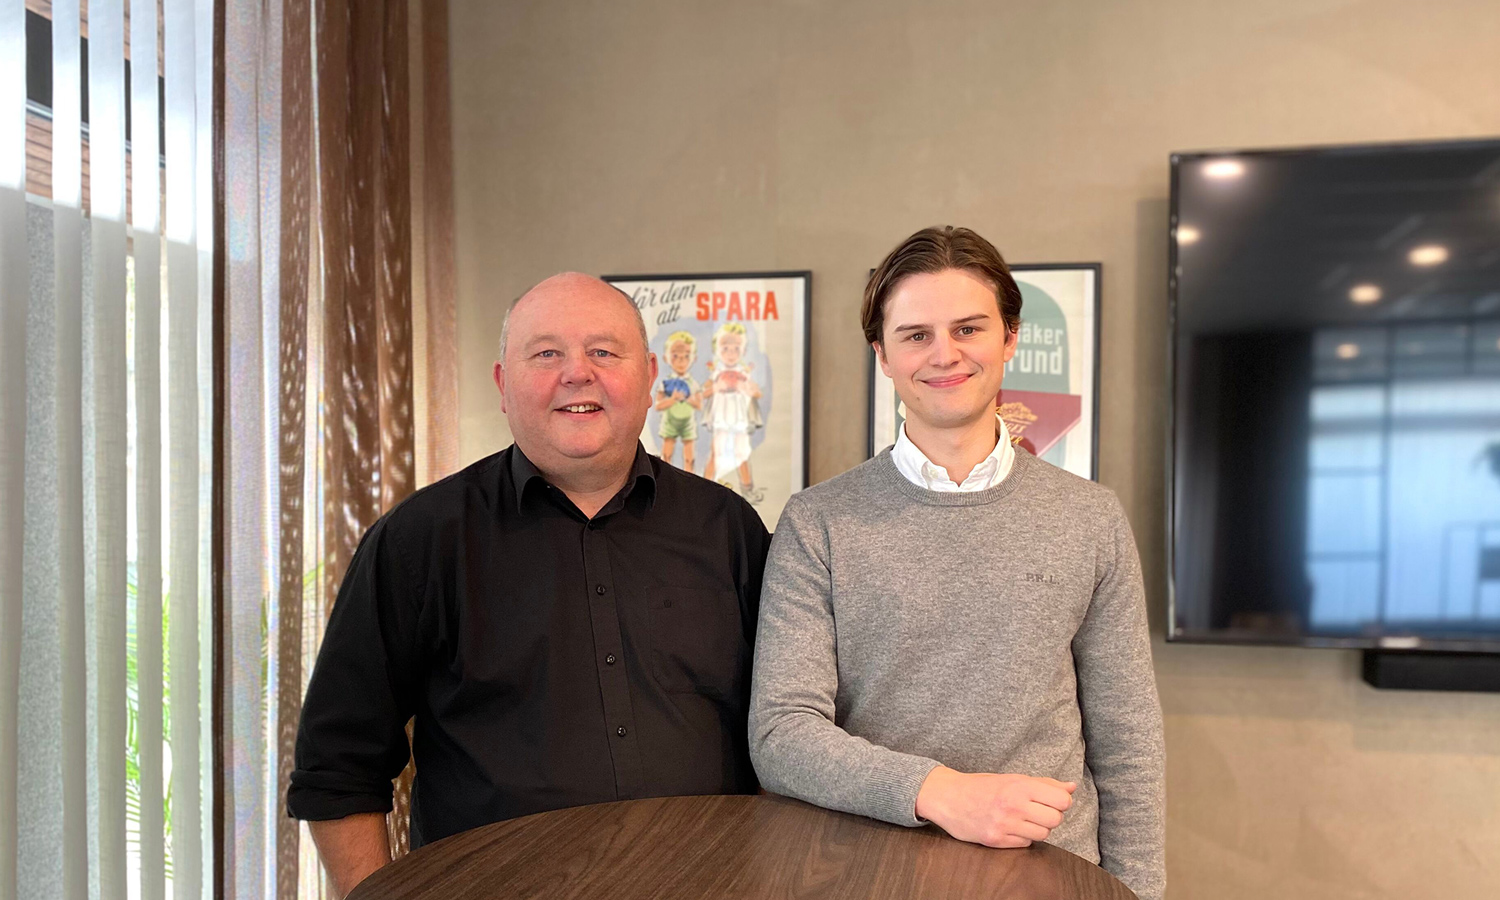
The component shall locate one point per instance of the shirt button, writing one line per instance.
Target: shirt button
(620, 731)
(609, 660)
(599, 589)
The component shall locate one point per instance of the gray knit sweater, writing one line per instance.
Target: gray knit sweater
(997, 631)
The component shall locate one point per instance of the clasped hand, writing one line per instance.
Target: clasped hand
(994, 810)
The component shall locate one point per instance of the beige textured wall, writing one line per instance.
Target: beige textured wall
(653, 136)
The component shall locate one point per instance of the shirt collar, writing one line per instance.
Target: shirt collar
(523, 473)
(923, 472)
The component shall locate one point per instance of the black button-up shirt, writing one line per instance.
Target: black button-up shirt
(550, 660)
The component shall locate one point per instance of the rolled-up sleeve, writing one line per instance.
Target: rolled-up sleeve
(351, 741)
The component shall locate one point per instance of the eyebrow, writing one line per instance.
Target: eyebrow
(588, 339)
(964, 321)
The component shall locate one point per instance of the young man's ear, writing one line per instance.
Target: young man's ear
(879, 349)
(1012, 339)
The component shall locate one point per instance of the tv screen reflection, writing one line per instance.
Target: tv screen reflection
(1336, 397)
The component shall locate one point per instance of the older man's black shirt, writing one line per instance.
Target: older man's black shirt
(549, 660)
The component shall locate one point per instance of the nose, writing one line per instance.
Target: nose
(577, 370)
(943, 350)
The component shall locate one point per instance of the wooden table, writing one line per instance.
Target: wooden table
(692, 847)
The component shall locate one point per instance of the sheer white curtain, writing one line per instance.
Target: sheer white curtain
(338, 399)
(105, 421)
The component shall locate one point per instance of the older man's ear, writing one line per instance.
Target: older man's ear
(655, 370)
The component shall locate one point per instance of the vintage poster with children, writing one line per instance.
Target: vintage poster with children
(730, 400)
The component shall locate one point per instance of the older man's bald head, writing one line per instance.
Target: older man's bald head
(558, 289)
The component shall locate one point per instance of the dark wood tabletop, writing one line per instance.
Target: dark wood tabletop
(767, 846)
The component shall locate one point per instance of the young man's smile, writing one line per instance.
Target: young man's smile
(945, 346)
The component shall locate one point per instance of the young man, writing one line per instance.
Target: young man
(955, 632)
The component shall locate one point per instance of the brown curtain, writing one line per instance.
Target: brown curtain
(364, 137)
(337, 217)
(367, 331)
(296, 214)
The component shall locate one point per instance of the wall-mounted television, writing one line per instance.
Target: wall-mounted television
(1334, 471)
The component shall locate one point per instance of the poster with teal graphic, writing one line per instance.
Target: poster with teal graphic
(1049, 399)
(730, 400)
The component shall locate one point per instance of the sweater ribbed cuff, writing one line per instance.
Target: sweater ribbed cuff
(894, 785)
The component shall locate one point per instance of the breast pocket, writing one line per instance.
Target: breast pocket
(697, 644)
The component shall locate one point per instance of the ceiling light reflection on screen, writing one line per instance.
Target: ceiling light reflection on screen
(1224, 169)
(1347, 351)
(1187, 234)
(1428, 255)
(1364, 293)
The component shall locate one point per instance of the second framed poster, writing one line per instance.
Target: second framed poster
(1050, 397)
(730, 400)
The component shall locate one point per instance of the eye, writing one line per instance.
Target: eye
(548, 354)
(601, 354)
(917, 336)
(968, 330)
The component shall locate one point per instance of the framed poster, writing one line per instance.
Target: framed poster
(730, 402)
(1050, 397)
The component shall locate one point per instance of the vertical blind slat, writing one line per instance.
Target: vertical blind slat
(67, 185)
(13, 96)
(146, 216)
(182, 566)
(149, 650)
(110, 448)
(39, 773)
(203, 29)
(15, 293)
(145, 112)
(245, 507)
(183, 366)
(14, 296)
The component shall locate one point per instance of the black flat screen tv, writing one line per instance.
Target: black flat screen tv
(1334, 453)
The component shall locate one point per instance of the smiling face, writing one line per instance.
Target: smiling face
(731, 346)
(680, 357)
(945, 347)
(575, 379)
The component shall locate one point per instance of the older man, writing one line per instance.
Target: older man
(569, 620)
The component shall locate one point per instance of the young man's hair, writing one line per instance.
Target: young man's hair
(934, 250)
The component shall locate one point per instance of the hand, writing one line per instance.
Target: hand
(994, 810)
(752, 389)
(679, 396)
(708, 388)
